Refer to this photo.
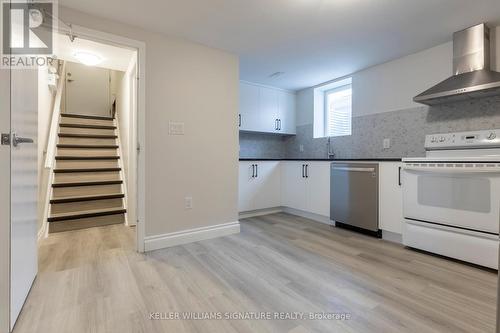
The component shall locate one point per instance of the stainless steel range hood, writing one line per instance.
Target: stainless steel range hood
(472, 77)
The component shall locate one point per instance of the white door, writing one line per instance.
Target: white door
(87, 90)
(318, 188)
(24, 188)
(268, 185)
(293, 185)
(249, 107)
(268, 110)
(246, 184)
(287, 113)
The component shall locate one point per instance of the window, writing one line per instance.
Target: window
(333, 109)
(338, 111)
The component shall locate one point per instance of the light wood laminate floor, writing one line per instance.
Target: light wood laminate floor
(93, 281)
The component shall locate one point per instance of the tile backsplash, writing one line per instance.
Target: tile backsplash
(258, 145)
(405, 128)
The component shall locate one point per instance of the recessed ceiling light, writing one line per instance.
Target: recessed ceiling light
(276, 75)
(87, 58)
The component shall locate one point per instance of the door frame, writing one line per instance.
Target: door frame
(5, 232)
(138, 150)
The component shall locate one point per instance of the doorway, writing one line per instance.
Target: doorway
(20, 251)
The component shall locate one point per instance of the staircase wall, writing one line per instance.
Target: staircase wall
(46, 98)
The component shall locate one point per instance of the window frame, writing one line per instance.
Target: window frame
(326, 110)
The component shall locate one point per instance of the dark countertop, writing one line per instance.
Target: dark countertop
(325, 159)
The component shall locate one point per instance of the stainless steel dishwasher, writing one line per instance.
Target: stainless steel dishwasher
(354, 197)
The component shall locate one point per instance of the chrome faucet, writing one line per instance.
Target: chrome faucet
(331, 153)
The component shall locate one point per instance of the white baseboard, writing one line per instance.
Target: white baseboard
(310, 216)
(189, 236)
(293, 211)
(260, 212)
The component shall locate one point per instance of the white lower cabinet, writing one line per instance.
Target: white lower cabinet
(293, 185)
(306, 186)
(259, 185)
(390, 197)
(318, 188)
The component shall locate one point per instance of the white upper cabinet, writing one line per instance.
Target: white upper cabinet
(266, 110)
(287, 113)
(250, 118)
(269, 109)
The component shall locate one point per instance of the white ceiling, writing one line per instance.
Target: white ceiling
(113, 57)
(312, 41)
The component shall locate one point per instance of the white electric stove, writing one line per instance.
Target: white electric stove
(451, 197)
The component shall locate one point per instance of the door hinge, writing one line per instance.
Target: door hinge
(5, 140)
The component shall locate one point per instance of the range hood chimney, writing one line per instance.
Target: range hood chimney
(472, 76)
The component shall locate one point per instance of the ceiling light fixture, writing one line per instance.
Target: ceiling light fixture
(87, 58)
(276, 75)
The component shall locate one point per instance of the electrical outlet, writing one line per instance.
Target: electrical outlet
(387, 143)
(301, 148)
(188, 202)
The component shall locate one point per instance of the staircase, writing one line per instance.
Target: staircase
(87, 187)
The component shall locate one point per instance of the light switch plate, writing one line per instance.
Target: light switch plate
(387, 143)
(188, 201)
(175, 128)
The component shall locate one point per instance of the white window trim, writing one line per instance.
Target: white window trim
(327, 112)
(319, 110)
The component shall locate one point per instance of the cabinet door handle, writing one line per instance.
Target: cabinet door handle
(275, 124)
(253, 170)
(303, 170)
(307, 170)
(256, 170)
(239, 120)
(279, 124)
(399, 176)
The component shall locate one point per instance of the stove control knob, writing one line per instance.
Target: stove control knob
(434, 139)
(491, 136)
(442, 139)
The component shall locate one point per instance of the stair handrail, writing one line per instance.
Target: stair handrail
(54, 124)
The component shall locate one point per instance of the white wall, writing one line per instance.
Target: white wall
(45, 108)
(190, 83)
(391, 86)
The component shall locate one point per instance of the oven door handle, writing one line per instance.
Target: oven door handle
(452, 170)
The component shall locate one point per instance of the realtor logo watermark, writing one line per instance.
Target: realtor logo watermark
(27, 33)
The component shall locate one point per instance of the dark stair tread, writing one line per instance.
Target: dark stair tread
(86, 214)
(84, 116)
(63, 145)
(72, 158)
(88, 136)
(87, 126)
(71, 170)
(87, 183)
(86, 198)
